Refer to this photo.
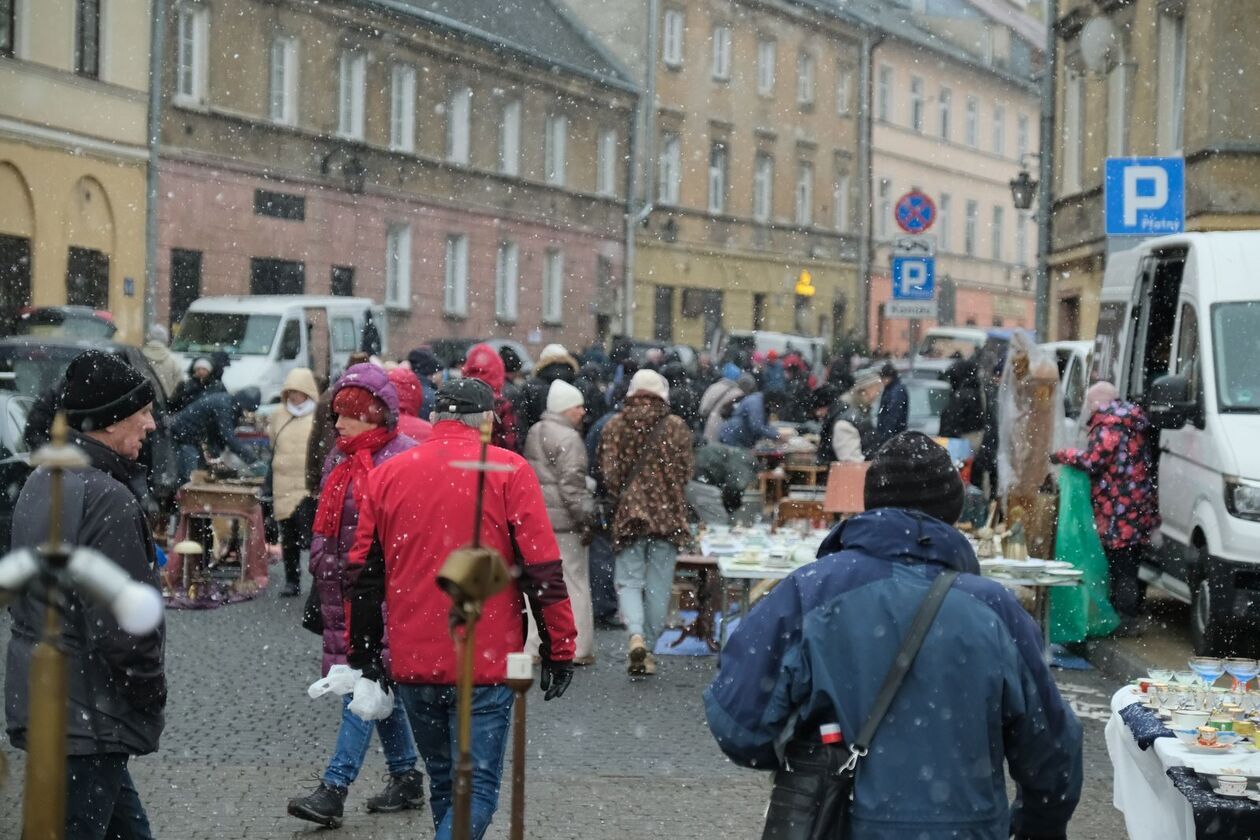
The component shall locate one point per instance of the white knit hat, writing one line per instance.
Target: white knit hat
(563, 396)
(649, 382)
(553, 354)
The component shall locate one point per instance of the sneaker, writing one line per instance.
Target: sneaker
(291, 590)
(637, 656)
(649, 665)
(406, 790)
(324, 806)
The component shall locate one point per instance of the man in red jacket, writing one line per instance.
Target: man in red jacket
(416, 510)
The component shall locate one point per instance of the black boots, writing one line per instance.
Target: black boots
(403, 791)
(324, 806)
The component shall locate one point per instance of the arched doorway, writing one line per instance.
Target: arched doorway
(17, 230)
(90, 238)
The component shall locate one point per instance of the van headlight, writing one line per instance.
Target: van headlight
(1242, 498)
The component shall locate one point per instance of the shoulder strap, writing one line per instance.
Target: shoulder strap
(905, 658)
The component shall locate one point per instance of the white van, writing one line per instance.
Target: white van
(269, 335)
(936, 350)
(1179, 333)
(1073, 359)
(813, 350)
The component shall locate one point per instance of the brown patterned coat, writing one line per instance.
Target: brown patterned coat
(653, 505)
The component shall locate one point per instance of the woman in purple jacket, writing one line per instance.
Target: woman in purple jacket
(365, 405)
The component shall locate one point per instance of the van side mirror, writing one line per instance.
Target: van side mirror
(1171, 404)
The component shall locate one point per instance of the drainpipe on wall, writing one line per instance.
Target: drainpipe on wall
(157, 44)
(866, 246)
(1045, 189)
(647, 118)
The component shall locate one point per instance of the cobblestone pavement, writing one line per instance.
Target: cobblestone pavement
(611, 759)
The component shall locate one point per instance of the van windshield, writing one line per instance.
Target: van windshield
(945, 346)
(240, 334)
(1236, 341)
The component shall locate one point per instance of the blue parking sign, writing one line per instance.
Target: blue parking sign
(1145, 196)
(913, 278)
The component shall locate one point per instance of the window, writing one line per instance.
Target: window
(973, 122)
(341, 284)
(345, 337)
(455, 297)
(804, 193)
(995, 244)
(353, 88)
(717, 178)
(763, 187)
(670, 169)
(805, 79)
(192, 33)
(506, 278)
(458, 126)
(402, 108)
(398, 267)
(555, 140)
(553, 287)
(282, 107)
(999, 129)
(840, 202)
(1172, 82)
(270, 276)
(721, 52)
(942, 222)
(969, 228)
(606, 163)
(8, 26)
(884, 94)
(185, 281)
(1188, 349)
(510, 139)
(767, 53)
(280, 205)
(844, 84)
(1073, 142)
(87, 38)
(672, 40)
(1021, 238)
(943, 102)
(1117, 116)
(885, 208)
(87, 278)
(916, 103)
(1021, 135)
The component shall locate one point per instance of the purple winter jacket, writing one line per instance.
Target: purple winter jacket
(328, 555)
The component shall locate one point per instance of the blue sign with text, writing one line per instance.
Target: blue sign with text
(913, 278)
(1145, 196)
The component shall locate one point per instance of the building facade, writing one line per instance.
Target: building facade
(955, 115)
(466, 168)
(1136, 101)
(73, 157)
(748, 164)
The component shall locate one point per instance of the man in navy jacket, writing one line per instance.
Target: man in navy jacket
(817, 648)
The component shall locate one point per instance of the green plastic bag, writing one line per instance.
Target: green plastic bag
(1079, 612)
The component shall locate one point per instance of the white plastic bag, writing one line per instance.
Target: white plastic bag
(340, 680)
(371, 701)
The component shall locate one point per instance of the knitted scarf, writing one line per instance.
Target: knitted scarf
(352, 469)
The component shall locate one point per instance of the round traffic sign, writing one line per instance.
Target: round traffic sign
(915, 212)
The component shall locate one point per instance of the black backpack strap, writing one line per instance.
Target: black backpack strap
(904, 660)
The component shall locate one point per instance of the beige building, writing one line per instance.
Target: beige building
(73, 151)
(749, 173)
(955, 113)
(1178, 79)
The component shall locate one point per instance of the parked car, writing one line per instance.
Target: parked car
(66, 322)
(936, 351)
(927, 400)
(29, 366)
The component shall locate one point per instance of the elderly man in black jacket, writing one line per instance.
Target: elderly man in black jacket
(117, 681)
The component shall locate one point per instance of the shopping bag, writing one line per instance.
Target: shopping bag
(340, 680)
(371, 700)
(1079, 612)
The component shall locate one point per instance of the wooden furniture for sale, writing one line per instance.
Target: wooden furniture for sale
(202, 501)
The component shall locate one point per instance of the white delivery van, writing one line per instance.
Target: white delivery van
(1074, 360)
(266, 336)
(1179, 333)
(936, 350)
(813, 350)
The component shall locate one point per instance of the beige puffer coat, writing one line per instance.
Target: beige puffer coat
(289, 438)
(556, 452)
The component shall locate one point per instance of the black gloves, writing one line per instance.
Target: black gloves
(555, 678)
(375, 671)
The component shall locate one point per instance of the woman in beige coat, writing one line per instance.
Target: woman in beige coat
(556, 452)
(290, 433)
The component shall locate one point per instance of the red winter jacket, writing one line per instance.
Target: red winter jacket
(418, 508)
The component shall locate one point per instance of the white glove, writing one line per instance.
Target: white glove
(371, 701)
(340, 680)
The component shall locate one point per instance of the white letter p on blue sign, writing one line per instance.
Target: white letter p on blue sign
(1145, 196)
(1135, 200)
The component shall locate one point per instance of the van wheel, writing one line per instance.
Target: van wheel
(1206, 628)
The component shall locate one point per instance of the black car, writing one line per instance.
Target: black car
(29, 366)
(73, 322)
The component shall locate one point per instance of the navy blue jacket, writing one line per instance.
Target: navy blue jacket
(894, 412)
(747, 424)
(817, 648)
(212, 420)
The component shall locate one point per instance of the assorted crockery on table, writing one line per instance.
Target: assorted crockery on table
(1208, 719)
(758, 547)
(1041, 572)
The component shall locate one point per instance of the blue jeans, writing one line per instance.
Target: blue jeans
(645, 582)
(355, 735)
(101, 800)
(434, 713)
(188, 458)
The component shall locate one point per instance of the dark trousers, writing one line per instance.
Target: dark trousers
(291, 548)
(101, 800)
(603, 560)
(1126, 588)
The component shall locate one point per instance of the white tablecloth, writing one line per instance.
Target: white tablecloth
(1153, 808)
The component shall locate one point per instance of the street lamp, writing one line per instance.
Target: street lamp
(1023, 190)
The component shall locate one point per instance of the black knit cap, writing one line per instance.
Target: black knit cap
(101, 389)
(914, 472)
(464, 396)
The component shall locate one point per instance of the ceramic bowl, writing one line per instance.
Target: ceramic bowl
(1189, 719)
(1186, 736)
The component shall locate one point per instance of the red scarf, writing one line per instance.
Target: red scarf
(353, 468)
